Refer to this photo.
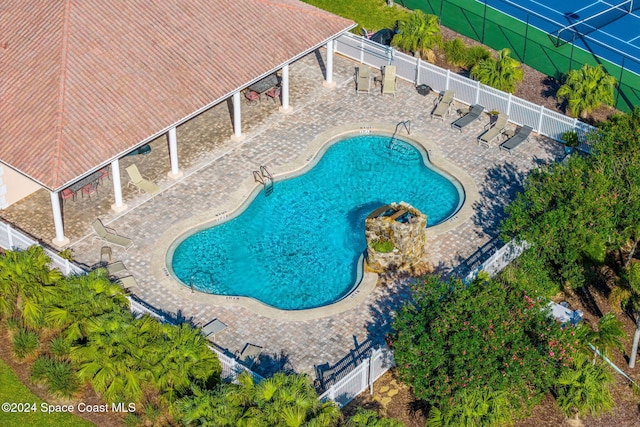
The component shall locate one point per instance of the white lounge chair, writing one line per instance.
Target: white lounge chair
(108, 235)
(389, 81)
(142, 184)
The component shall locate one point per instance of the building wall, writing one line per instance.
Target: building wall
(14, 187)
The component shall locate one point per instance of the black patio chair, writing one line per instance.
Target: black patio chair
(471, 116)
(521, 136)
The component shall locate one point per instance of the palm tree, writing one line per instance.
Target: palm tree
(627, 294)
(26, 284)
(282, 400)
(82, 298)
(609, 335)
(587, 89)
(583, 388)
(474, 408)
(183, 357)
(503, 73)
(419, 34)
(115, 358)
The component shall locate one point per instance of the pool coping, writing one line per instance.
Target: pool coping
(244, 195)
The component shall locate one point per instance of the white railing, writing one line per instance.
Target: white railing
(11, 239)
(542, 120)
(499, 260)
(360, 378)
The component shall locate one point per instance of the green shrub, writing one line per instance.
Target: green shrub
(25, 343)
(475, 54)
(456, 52)
(382, 246)
(60, 348)
(571, 139)
(39, 369)
(61, 380)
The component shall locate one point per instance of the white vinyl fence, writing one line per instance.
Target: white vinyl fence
(11, 239)
(360, 378)
(543, 121)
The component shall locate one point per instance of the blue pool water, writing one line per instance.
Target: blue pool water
(298, 247)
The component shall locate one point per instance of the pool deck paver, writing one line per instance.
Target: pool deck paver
(213, 165)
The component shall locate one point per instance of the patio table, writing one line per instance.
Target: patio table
(261, 86)
(77, 186)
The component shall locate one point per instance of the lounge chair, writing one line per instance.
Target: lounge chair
(128, 282)
(389, 79)
(494, 129)
(108, 235)
(444, 105)
(250, 354)
(521, 136)
(212, 328)
(116, 268)
(363, 79)
(142, 184)
(471, 116)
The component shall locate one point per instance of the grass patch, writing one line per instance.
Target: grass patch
(13, 391)
(370, 14)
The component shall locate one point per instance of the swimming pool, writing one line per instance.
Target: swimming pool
(298, 248)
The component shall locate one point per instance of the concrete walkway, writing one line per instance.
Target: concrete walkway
(213, 167)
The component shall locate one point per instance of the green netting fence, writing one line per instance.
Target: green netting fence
(530, 45)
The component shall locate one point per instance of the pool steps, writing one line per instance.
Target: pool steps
(264, 177)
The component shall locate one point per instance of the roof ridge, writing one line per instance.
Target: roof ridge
(318, 12)
(62, 90)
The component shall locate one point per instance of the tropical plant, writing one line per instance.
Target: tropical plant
(583, 388)
(627, 294)
(609, 335)
(368, 418)
(456, 52)
(571, 139)
(26, 284)
(419, 34)
(382, 246)
(115, 357)
(25, 343)
(183, 359)
(587, 89)
(57, 375)
(475, 408)
(282, 400)
(475, 54)
(80, 299)
(503, 73)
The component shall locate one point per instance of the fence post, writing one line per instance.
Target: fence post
(67, 267)
(509, 104)
(332, 393)
(9, 237)
(371, 364)
(540, 119)
(446, 85)
(418, 71)
(477, 91)
(365, 374)
(362, 50)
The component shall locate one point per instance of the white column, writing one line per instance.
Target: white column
(329, 77)
(237, 119)
(175, 172)
(118, 206)
(59, 240)
(285, 108)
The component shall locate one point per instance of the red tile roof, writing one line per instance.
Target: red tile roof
(84, 81)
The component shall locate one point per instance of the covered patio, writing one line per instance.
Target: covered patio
(97, 93)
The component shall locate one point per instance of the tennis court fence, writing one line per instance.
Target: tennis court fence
(542, 120)
(533, 40)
